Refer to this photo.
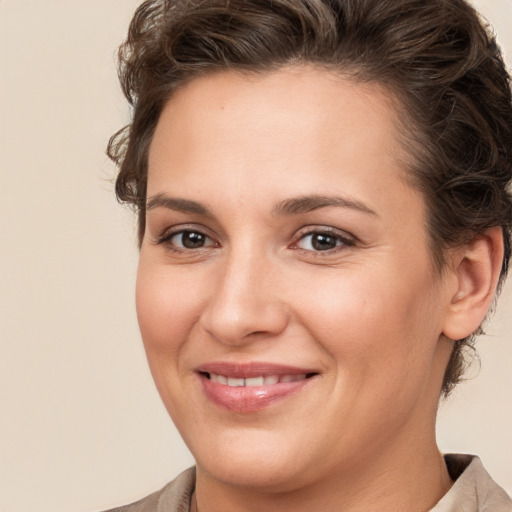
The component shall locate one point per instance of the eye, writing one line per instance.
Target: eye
(188, 240)
(322, 241)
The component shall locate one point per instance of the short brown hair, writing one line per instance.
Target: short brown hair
(436, 56)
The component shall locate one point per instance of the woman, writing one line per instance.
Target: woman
(323, 223)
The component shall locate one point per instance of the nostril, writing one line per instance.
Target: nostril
(256, 333)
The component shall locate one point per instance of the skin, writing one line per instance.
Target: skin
(371, 316)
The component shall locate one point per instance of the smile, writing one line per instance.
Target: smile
(248, 388)
(262, 380)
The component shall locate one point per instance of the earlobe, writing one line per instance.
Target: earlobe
(477, 268)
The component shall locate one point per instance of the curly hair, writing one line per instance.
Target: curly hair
(436, 56)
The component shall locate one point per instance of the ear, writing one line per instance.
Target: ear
(476, 268)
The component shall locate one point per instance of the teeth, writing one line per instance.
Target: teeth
(254, 381)
(291, 378)
(218, 378)
(267, 380)
(235, 382)
(270, 380)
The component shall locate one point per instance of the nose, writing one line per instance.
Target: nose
(245, 303)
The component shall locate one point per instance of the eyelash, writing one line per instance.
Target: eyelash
(342, 241)
(166, 238)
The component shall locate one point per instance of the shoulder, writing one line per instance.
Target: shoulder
(473, 490)
(174, 497)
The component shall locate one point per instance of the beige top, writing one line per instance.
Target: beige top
(473, 491)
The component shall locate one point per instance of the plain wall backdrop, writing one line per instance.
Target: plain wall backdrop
(81, 425)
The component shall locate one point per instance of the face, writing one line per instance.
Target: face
(286, 295)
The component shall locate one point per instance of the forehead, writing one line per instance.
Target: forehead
(296, 131)
(293, 111)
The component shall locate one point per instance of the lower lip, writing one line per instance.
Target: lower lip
(246, 399)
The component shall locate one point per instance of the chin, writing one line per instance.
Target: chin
(267, 477)
(256, 461)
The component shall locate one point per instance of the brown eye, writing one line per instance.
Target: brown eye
(190, 240)
(322, 242)
(319, 241)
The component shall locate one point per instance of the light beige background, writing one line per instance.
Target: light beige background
(81, 427)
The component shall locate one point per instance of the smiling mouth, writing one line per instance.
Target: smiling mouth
(256, 381)
(252, 387)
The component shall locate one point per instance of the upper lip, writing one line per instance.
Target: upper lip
(255, 369)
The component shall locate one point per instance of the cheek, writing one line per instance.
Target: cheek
(375, 319)
(166, 303)
(167, 306)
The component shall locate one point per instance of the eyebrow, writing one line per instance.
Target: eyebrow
(305, 204)
(292, 206)
(177, 204)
